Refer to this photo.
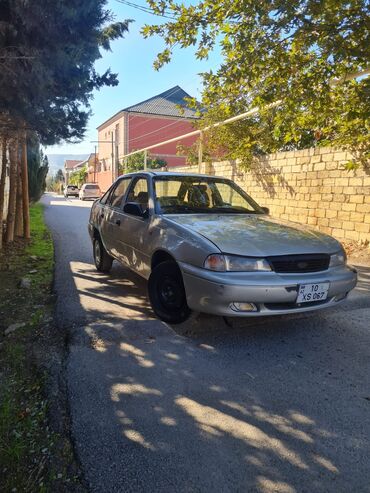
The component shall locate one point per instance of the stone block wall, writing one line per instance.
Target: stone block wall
(309, 187)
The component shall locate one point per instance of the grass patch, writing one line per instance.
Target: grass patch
(33, 261)
(32, 456)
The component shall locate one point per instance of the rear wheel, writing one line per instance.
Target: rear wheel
(167, 293)
(103, 261)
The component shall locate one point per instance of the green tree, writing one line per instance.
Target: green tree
(299, 52)
(47, 55)
(59, 177)
(38, 168)
(136, 163)
(78, 177)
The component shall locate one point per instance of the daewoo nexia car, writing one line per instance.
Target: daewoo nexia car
(205, 245)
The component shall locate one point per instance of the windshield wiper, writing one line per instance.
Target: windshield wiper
(233, 210)
(173, 209)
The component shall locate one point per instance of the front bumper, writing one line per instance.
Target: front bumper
(272, 293)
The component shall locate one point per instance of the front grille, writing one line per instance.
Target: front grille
(314, 262)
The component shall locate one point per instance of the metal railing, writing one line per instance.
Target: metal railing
(242, 116)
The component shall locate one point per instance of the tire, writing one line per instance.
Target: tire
(103, 261)
(167, 293)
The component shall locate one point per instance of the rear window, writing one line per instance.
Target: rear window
(91, 187)
(72, 187)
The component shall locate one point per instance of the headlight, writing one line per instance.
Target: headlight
(233, 263)
(338, 259)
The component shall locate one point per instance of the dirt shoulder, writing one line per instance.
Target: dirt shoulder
(36, 453)
(358, 254)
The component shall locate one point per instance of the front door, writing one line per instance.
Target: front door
(136, 228)
(114, 218)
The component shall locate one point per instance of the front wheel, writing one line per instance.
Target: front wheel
(167, 293)
(103, 261)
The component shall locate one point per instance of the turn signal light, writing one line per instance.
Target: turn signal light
(243, 307)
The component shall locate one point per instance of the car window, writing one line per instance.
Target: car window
(105, 197)
(92, 187)
(115, 199)
(138, 192)
(194, 194)
(227, 196)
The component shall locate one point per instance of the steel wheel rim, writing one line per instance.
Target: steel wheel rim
(170, 294)
(97, 252)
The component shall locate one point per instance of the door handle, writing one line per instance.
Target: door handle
(118, 222)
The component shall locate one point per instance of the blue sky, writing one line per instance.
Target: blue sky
(132, 58)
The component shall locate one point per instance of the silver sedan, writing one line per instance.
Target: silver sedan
(89, 191)
(204, 245)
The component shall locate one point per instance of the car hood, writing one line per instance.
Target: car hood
(256, 235)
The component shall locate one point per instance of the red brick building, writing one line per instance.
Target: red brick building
(156, 119)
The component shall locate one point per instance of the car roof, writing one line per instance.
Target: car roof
(170, 173)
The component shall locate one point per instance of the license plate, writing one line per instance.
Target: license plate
(312, 292)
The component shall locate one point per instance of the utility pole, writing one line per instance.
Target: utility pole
(113, 164)
(145, 160)
(112, 142)
(95, 166)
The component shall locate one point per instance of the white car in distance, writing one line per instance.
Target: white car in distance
(90, 191)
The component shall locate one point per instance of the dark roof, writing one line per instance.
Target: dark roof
(80, 164)
(70, 163)
(167, 104)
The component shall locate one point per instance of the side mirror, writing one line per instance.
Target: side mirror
(266, 210)
(135, 209)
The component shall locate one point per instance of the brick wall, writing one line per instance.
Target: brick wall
(309, 187)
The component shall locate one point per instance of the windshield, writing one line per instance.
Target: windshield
(201, 195)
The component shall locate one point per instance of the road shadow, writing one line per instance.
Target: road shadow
(256, 407)
(224, 413)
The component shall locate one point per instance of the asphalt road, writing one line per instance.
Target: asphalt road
(274, 405)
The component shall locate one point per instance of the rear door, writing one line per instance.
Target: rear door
(113, 218)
